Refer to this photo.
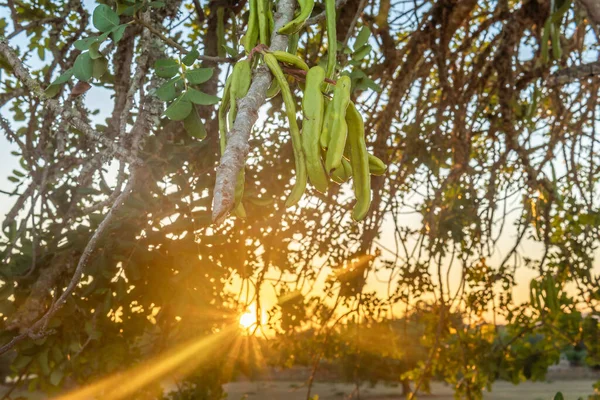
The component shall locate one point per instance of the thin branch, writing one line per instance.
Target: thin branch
(321, 16)
(38, 328)
(568, 75)
(234, 157)
(182, 49)
(359, 11)
(23, 75)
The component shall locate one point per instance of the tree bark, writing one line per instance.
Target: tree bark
(234, 157)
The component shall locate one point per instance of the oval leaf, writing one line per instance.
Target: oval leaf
(190, 57)
(100, 66)
(201, 98)
(52, 90)
(117, 33)
(56, 376)
(193, 125)
(198, 75)
(166, 67)
(179, 109)
(362, 38)
(95, 50)
(84, 44)
(168, 90)
(104, 18)
(83, 67)
(64, 78)
(362, 52)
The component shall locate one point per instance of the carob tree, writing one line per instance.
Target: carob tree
(157, 158)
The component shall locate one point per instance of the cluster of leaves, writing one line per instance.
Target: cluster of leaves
(91, 63)
(181, 94)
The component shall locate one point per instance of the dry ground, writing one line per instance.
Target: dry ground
(571, 390)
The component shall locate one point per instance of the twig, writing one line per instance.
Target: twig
(37, 330)
(31, 25)
(359, 11)
(234, 157)
(23, 75)
(568, 75)
(302, 73)
(321, 16)
(182, 49)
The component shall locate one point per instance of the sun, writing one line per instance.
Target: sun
(248, 319)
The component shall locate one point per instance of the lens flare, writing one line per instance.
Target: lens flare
(247, 320)
(181, 361)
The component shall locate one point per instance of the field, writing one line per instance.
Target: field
(571, 390)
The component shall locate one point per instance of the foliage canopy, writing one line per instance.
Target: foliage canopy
(484, 111)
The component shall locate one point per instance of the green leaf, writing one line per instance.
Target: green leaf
(127, 9)
(83, 67)
(54, 88)
(104, 36)
(21, 361)
(95, 51)
(362, 52)
(157, 4)
(559, 396)
(100, 66)
(230, 50)
(57, 355)
(179, 109)
(193, 125)
(104, 18)
(56, 376)
(362, 38)
(84, 44)
(42, 359)
(198, 75)
(190, 57)
(117, 33)
(64, 78)
(201, 98)
(168, 90)
(166, 67)
(372, 85)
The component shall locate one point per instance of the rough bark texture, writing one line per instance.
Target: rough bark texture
(234, 157)
(573, 74)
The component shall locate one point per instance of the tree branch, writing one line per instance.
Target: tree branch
(572, 74)
(38, 328)
(234, 157)
(23, 75)
(182, 49)
(321, 16)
